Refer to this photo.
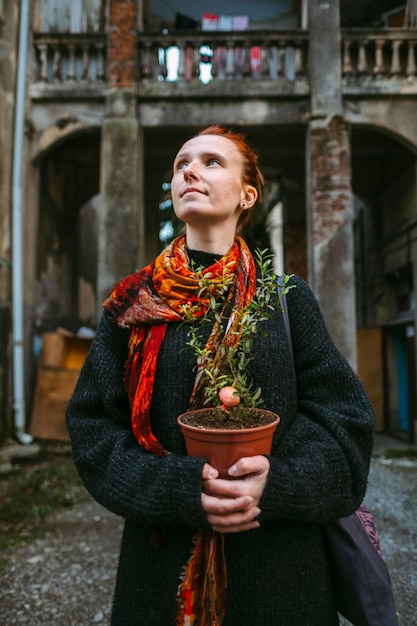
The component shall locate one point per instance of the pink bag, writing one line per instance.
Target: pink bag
(362, 581)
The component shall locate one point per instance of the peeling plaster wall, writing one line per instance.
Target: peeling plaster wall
(332, 236)
(8, 43)
(76, 16)
(87, 303)
(396, 116)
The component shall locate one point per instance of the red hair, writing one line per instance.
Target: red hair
(252, 175)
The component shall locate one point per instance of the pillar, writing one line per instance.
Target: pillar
(329, 195)
(120, 231)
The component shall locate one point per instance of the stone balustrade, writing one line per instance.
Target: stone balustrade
(214, 55)
(242, 62)
(67, 59)
(379, 54)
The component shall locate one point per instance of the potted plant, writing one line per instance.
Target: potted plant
(232, 423)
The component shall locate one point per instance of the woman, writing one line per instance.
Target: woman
(139, 376)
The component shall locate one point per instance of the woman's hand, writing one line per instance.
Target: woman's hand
(232, 506)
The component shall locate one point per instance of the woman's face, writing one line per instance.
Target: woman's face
(207, 184)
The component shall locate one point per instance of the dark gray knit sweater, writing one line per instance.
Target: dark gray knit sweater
(278, 574)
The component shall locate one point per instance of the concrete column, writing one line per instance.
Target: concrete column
(120, 223)
(329, 196)
(121, 215)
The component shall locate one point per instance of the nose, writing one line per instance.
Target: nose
(191, 172)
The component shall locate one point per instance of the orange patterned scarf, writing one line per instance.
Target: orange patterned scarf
(146, 302)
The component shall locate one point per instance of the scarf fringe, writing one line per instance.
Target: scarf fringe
(201, 597)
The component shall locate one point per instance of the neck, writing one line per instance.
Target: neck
(214, 242)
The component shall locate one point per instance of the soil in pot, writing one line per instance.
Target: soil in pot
(222, 445)
(236, 418)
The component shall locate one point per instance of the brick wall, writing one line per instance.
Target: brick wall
(331, 174)
(121, 44)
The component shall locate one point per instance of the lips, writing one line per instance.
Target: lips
(191, 190)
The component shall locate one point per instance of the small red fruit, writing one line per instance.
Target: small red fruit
(228, 396)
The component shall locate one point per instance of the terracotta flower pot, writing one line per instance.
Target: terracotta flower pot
(223, 447)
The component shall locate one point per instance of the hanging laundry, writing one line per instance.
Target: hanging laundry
(209, 21)
(256, 61)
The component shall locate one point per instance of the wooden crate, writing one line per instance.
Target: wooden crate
(61, 358)
(53, 390)
(60, 350)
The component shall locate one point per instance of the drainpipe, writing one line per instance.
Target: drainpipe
(17, 233)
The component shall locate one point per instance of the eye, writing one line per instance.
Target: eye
(180, 165)
(213, 162)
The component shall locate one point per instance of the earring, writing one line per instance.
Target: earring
(243, 205)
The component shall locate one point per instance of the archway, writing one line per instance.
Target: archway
(69, 180)
(385, 185)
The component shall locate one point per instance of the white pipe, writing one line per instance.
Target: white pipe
(17, 233)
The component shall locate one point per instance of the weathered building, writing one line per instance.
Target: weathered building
(326, 92)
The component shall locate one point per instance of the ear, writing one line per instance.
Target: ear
(249, 196)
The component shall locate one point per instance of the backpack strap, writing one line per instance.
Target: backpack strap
(283, 302)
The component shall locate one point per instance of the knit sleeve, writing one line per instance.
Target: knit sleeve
(320, 466)
(117, 472)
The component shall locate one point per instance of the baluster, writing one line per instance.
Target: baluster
(246, 66)
(100, 61)
(362, 60)
(43, 62)
(85, 63)
(395, 61)
(181, 63)
(71, 63)
(162, 62)
(220, 55)
(281, 59)
(411, 60)
(196, 64)
(56, 65)
(347, 61)
(289, 60)
(240, 58)
(273, 61)
(264, 61)
(214, 69)
(298, 58)
(188, 62)
(146, 68)
(230, 61)
(379, 69)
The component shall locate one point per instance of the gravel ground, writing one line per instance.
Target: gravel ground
(66, 576)
(392, 497)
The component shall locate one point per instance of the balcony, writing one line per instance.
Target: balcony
(223, 64)
(70, 66)
(379, 61)
(244, 64)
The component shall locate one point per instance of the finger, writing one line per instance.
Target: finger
(235, 520)
(209, 472)
(225, 488)
(249, 465)
(225, 506)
